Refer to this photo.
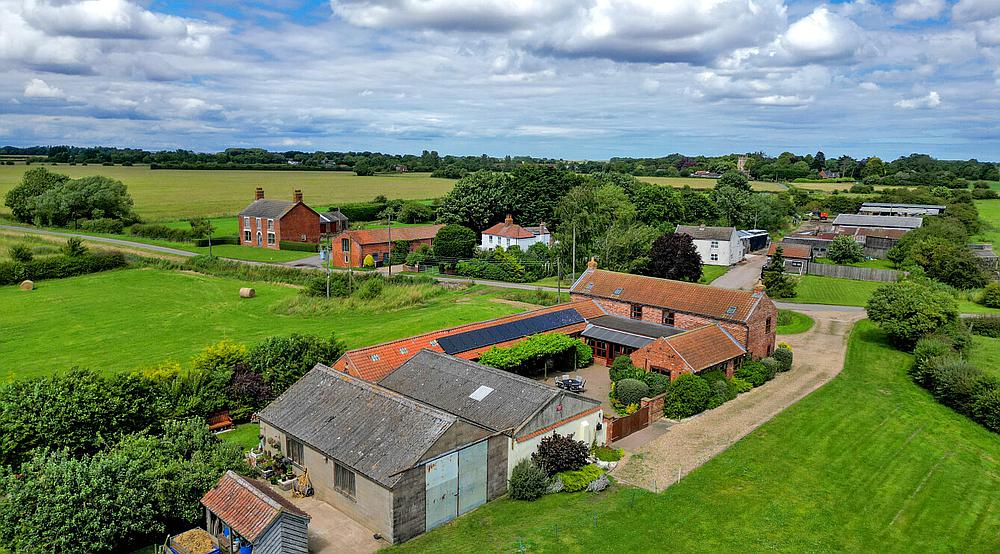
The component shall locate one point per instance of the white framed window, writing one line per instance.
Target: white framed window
(715, 244)
(270, 238)
(270, 224)
(246, 235)
(257, 223)
(246, 222)
(715, 257)
(491, 238)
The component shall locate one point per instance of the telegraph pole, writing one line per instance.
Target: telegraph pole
(389, 225)
(574, 250)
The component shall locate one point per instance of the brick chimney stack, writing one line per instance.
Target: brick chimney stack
(260, 193)
(509, 220)
(297, 196)
(592, 264)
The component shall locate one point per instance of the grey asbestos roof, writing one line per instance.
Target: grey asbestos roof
(448, 383)
(265, 207)
(616, 337)
(333, 216)
(887, 221)
(375, 431)
(706, 233)
(895, 205)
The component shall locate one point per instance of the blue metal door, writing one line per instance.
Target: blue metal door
(441, 487)
(471, 477)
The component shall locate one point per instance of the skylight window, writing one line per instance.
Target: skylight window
(479, 394)
(404, 350)
(589, 287)
(434, 342)
(618, 291)
(375, 357)
(731, 310)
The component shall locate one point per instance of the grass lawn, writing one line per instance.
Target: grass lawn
(701, 183)
(868, 463)
(874, 264)
(169, 194)
(133, 318)
(989, 211)
(791, 322)
(246, 435)
(40, 246)
(986, 354)
(710, 273)
(814, 289)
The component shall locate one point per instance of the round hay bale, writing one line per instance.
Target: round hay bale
(247, 292)
(27, 285)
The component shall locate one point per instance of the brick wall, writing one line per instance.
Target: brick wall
(356, 252)
(761, 333)
(655, 405)
(299, 222)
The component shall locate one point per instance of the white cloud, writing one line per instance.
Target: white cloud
(37, 88)
(449, 15)
(821, 35)
(916, 10)
(650, 86)
(868, 85)
(972, 10)
(932, 100)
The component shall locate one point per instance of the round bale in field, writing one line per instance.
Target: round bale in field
(247, 292)
(27, 285)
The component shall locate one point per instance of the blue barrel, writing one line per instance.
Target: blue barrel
(245, 548)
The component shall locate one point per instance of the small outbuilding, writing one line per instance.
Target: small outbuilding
(797, 256)
(716, 245)
(247, 516)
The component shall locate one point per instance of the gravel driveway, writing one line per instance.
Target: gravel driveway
(819, 357)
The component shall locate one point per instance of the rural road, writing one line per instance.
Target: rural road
(119, 242)
(742, 276)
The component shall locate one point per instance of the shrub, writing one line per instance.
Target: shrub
(739, 386)
(658, 383)
(956, 382)
(221, 355)
(20, 253)
(298, 246)
(282, 360)
(622, 368)
(369, 261)
(631, 391)
(957, 335)
(58, 267)
(607, 454)
(560, 453)
(986, 409)
(926, 349)
(784, 357)
(415, 212)
(721, 393)
(753, 372)
(370, 289)
(985, 326)
(908, 311)
(455, 241)
(772, 365)
(527, 481)
(576, 481)
(991, 296)
(102, 225)
(74, 247)
(155, 231)
(688, 395)
(361, 211)
(534, 354)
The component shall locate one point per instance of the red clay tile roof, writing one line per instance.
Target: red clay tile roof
(372, 363)
(732, 305)
(790, 250)
(693, 351)
(509, 230)
(246, 505)
(381, 235)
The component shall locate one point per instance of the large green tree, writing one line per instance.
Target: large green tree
(845, 250)
(733, 179)
(907, 311)
(86, 198)
(674, 256)
(478, 200)
(455, 241)
(34, 182)
(589, 212)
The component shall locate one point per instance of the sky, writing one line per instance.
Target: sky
(574, 79)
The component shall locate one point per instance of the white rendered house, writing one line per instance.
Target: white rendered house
(716, 245)
(509, 234)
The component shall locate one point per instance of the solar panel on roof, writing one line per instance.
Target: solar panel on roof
(478, 338)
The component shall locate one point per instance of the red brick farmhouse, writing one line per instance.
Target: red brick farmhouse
(351, 247)
(266, 223)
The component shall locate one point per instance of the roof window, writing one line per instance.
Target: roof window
(375, 357)
(589, 286)
(480, 393)
(731, 310)
(618, 291)
(404, 350)
(434, 342)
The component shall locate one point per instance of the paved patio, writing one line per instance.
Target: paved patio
(598, 384)
(332, 531)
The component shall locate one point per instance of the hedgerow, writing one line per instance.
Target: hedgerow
(530, 355)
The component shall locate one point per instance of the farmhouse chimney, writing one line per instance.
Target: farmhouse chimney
(509, 220)
(260, 193)
(592, 264)
(758, 289)
(297, 196)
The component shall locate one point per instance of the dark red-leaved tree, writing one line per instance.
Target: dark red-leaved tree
(674, 256)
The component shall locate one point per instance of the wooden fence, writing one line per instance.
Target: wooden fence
(856, 273)
(621, 427)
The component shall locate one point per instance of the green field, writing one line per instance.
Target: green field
(814, 289)
(246, 435)
(792, 322)
(138, 318)
(167, 194)
(986, 354)
(868, 463)
(701, 183)
(710, 273)
(989, 212)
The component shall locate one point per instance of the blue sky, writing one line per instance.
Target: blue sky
(562, 78)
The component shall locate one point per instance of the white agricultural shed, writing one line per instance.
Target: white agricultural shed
(716, 245)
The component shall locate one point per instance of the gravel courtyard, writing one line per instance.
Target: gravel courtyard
(819, 357)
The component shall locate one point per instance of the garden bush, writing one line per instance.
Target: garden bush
(576, 481)
(560, 453)
(658, 383)
(527, 481)
(772, 365)
(688, 395)
(20, 253)
(986, 409)
(297, 246)
(754, 373)
(721, 393)
(925, 350)
(531, 355)
(282, 360)
(251, 272)
(370, 289)
(956, 334)
(991, 296)
(631, 391)
(956, 382)
(607, 454)
(984, 326)
(58, 267)
(784, 357)
(101, 225)
(156, 231)
(908, 311)
(739, 386)
(622, 368)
